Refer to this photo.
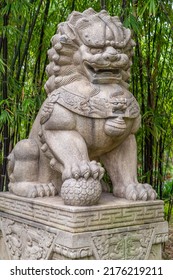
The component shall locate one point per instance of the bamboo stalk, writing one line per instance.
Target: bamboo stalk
(30, 32)
(103, 4)
(36, 75)
(4, 180)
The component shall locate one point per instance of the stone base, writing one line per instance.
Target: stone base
(115, 229)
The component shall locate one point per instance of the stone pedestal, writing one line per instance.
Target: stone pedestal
(45, 228)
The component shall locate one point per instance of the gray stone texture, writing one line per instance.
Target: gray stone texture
(88, 121)
(55, 208)
(45, 228)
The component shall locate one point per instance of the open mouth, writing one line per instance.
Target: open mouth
(103, 74)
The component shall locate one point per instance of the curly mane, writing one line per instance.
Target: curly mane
(77, 31)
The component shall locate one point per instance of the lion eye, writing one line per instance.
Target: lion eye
(96, 50)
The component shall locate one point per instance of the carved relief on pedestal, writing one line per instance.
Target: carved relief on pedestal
(73, 253)
(133, 245)
(161, 238)
(26, 242)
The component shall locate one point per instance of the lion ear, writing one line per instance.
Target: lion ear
(74, 17)
(68, 30)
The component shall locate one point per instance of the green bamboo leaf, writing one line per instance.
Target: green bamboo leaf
(2, 64)
(5, 10)
(5, 116)
(151, 7)
(132, 22)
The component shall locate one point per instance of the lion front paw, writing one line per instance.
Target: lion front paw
(83, 169)
(140, 192)
(81, 192)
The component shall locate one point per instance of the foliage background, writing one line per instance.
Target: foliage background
(26, 27)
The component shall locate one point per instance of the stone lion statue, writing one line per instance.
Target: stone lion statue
(88, 119)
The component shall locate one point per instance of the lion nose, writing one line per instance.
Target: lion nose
(111, 54)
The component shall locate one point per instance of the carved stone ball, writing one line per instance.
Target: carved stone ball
(81, 192)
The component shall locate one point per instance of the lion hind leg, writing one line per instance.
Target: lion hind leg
(121, 165)
(23, 170)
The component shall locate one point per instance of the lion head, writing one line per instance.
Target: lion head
(91, 46)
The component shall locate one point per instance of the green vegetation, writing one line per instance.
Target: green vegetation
(26, 27)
